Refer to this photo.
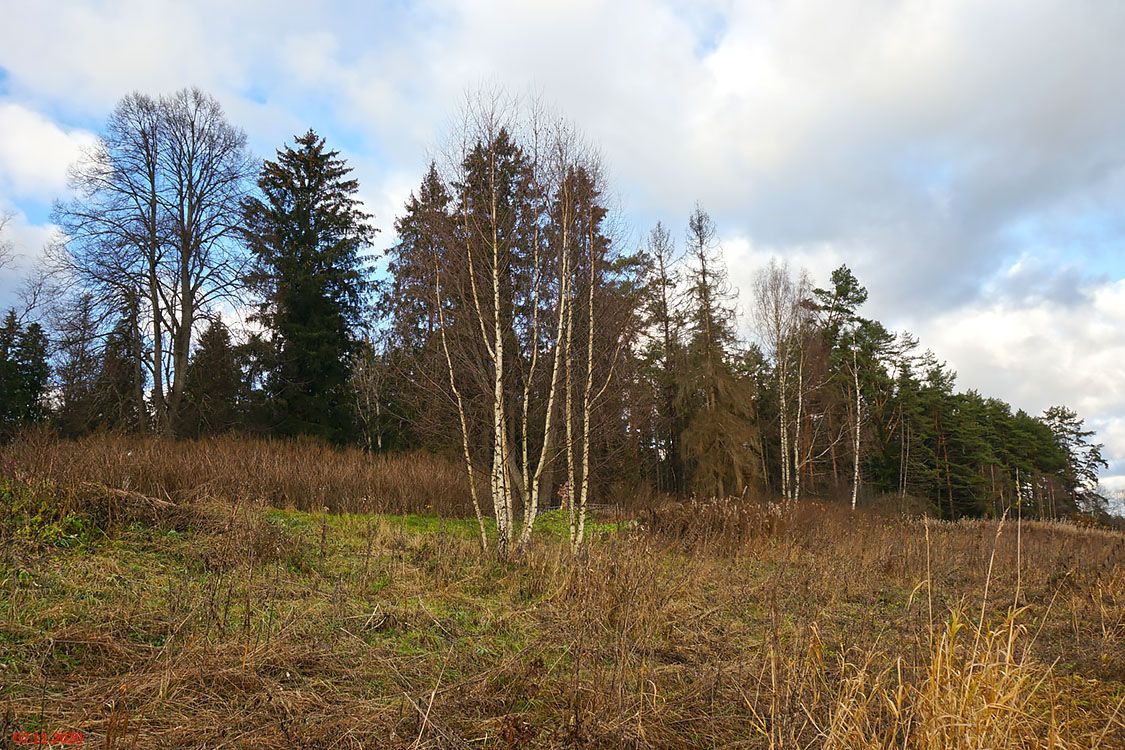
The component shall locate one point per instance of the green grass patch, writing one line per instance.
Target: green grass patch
(548, 524)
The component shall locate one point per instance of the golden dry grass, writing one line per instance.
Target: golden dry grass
(221, 622)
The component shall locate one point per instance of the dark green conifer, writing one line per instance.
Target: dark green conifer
(308, 234)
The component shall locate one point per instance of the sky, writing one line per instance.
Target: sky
(965, 158)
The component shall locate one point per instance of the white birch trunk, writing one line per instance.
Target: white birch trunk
(461, 416)
(548, 425)
(569, 416)
(783, 420)
(501, 492)
(858, 419)
(580, 533)
(798, 463)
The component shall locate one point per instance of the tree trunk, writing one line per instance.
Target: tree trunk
(460, 414)
(858, 420)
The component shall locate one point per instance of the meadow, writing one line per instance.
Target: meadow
(239, 593)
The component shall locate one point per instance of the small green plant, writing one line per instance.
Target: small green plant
(32, 515)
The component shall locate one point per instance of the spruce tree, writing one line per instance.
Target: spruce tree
(114, 397)
(721, 442)
(661, 358)
(308, 234)
(77, 367)
(213, 392)
(9, 375)
(423, 231)
(23, 373)
(34, 372)
(409, 353)
(255, 357)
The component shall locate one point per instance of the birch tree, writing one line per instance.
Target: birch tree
(776, 306)
(516, 263)
(491, 226)
(818, 431)
(588, 311)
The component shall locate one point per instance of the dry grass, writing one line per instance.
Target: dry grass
(225, 623)
(301, 474)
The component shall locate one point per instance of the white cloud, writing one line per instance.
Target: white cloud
(35, 153)
(28, 241)
(85, 56)
(1040, 354)
(1111, 431)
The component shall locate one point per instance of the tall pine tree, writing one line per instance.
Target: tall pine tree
(1082, 457)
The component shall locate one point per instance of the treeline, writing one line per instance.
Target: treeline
(200, 291)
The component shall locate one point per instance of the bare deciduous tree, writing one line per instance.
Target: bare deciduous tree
(777, 315)
(154, 222)
(368, 376)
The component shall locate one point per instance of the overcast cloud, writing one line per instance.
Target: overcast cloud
(967, 159)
